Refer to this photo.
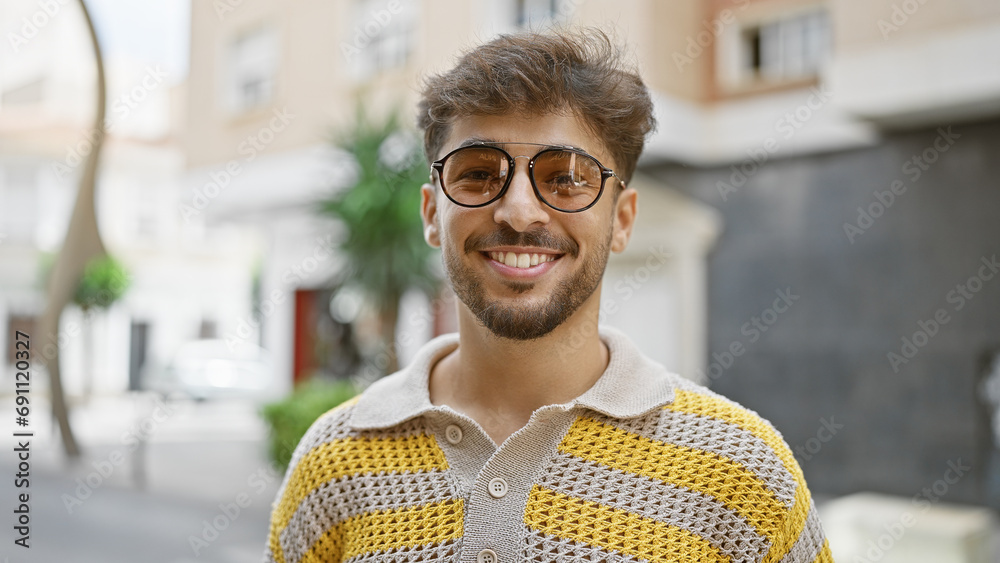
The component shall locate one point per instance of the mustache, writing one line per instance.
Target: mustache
(507, 236)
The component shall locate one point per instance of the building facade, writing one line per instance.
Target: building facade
(182, 279)
(270, 84)
(821, 179)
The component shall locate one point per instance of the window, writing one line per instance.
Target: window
(534, 12)
(383, 35)
(790, 47)
(20, 208)
(538, 13)
(253, 60)
(207, 329)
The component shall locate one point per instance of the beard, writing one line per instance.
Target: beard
(525, 321)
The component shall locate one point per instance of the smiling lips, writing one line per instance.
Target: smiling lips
(524, 260)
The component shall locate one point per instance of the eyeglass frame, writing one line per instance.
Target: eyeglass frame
(438, 166)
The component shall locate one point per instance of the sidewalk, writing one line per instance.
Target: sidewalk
(176, 482)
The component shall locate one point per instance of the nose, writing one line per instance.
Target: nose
(519, 207)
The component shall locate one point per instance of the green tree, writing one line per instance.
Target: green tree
(382, 246)
(104, 281)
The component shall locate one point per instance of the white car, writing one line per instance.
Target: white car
(207, 369)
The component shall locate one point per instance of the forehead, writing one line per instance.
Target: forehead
(544, 129)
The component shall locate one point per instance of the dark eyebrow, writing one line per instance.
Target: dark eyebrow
(494, 142)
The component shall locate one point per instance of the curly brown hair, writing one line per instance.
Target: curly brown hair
(545, 72)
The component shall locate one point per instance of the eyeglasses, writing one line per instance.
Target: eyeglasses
(564, 178)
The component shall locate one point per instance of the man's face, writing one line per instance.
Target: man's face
(526, 297)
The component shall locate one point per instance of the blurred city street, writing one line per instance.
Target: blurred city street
(182, 484)
(180, 186)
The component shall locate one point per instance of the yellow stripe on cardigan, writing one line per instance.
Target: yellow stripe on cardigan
(727, 481)
(422, 525)
(351, 456)
(792, 526)
(274, 533)
(613, 529)
(720, 409)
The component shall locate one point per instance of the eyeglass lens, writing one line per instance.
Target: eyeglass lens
(564, 179)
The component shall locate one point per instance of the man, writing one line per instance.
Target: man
(530, 436)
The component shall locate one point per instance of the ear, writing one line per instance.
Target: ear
(624, 219)
(428, 213)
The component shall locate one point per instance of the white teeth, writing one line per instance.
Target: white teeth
(514, 260)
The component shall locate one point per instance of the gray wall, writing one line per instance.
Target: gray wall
(825, 357)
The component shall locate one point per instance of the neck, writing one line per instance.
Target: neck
(499, 382)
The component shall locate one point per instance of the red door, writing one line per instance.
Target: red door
(304, 358)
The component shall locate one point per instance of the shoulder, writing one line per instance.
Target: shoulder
(751, 465)
(701, 462)
(704, 408)
(748, 454)
(701, 437)
(342, 438)
(335, 449)
(330, 426)
(701, 418)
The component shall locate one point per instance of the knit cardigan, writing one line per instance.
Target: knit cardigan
(644, 466)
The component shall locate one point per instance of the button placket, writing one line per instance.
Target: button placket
(496, 506)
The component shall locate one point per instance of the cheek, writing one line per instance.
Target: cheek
(453, 226)
(594, 232)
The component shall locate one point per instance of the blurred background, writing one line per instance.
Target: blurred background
(818, 235)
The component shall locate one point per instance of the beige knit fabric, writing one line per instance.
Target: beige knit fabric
(644, 466)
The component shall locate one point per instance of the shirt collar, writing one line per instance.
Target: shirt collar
(631, 385)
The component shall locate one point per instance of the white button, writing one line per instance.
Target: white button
(453, 433)
(486, 556)
(497, 488)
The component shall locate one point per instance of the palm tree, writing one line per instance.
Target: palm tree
(82, 242)
(383, 248)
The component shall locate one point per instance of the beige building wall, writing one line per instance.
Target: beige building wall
(910, 63)
(861, 24)
(677, 44)
(303, 84)
(658, 32)
(712, 109)
(319, 83)
(316, 83)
